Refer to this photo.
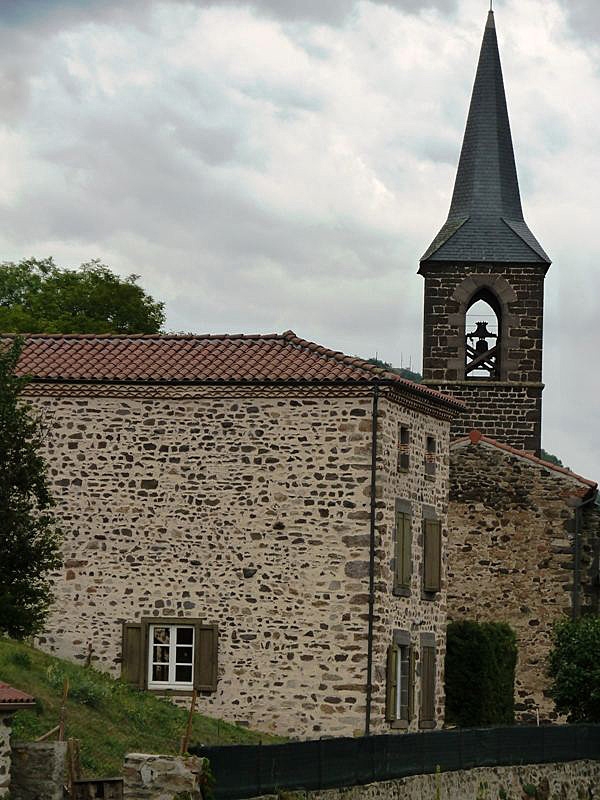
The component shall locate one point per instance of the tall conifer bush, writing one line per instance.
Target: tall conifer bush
(480, 673)
(29, 539)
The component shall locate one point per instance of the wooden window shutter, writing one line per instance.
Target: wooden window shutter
(392, 683)
(206, 658)
(133, 654)
(427, 684)
(406, 550)
(411, 683)
(432, 556)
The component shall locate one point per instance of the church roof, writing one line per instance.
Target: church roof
(209, 359)
(486, 222)
(476, 438)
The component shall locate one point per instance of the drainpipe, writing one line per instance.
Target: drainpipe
(374, 419)
(578, 518)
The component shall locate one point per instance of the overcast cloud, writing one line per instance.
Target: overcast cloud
(284, 164)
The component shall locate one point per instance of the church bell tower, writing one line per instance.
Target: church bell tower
(484, 280)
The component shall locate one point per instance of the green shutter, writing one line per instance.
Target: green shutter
(432, 556)
(206, 662)
(133, 654)
(392, 683)
(427, 684)
(402, 550)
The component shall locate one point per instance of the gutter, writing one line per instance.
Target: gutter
(578, 518)
(374, 421)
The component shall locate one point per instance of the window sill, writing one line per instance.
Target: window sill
(169, 691)
(401, 591)
(430, 596)
(427, 725)
(399, 724)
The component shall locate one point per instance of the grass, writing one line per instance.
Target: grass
(108, 717)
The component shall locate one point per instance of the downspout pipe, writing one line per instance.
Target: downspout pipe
(374, 421)
(578, 519)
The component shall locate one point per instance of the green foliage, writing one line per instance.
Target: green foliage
(30, 540)
(36, 296)
(480, 673)
(574, 666)
(415, 377)
(110, 718)
(552, 459)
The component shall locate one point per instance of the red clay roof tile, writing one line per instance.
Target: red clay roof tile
(10, 696)
(476, 437)
(202, 359)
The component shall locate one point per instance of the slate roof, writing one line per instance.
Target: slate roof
(476, 437)
(11, 698)
(255, 359)
(486, 221)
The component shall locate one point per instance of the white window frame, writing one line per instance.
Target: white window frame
(171, 683)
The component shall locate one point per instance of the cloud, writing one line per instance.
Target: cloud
(263, 175)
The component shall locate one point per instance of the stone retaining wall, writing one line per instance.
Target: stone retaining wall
(152, 777)
(573, 781)
(38, 770)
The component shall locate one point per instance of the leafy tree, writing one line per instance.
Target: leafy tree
(551, 458)
(574, 666)
(29, 547)
(36, 296)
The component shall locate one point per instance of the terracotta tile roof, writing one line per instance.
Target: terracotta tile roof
(11, 697)
(237, 358)
(476, 437)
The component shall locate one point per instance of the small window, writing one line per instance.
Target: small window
(403, 551)
(430, 455)
(171, 657)
(403, 448)
(400, 671)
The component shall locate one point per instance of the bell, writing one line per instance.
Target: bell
(481, 347)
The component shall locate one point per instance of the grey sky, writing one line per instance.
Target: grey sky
(283, 164)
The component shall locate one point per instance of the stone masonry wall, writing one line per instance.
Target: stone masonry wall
(416, 613)
(248, 512)
(5, 721)
(156, 777)
(570, 781)
(511, 556)
(38, 770)
(519, 290)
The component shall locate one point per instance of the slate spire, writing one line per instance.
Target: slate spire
(486, 221)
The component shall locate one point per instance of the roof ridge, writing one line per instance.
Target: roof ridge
(147, 336)
(476, 436)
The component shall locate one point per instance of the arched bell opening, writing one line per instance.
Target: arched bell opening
(483, 330)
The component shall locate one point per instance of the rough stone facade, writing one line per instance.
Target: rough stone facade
(151, 777)
(38, 770)
(570, 781)
(5, 721)
(250, 511)
(508, 409)
(513, 552)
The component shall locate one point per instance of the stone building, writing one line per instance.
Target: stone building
(522, 548)
(257, 517)
(523, 533)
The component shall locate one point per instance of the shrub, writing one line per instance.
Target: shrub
(480, 673)
(574, 666)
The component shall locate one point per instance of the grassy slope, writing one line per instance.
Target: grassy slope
(108, 717)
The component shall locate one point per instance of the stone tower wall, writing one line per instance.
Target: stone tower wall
(507, 409)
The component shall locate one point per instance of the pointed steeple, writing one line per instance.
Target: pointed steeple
(486, 221)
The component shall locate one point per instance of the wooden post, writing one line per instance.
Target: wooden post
(63, 711)
(188, 729)
(71, 765)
